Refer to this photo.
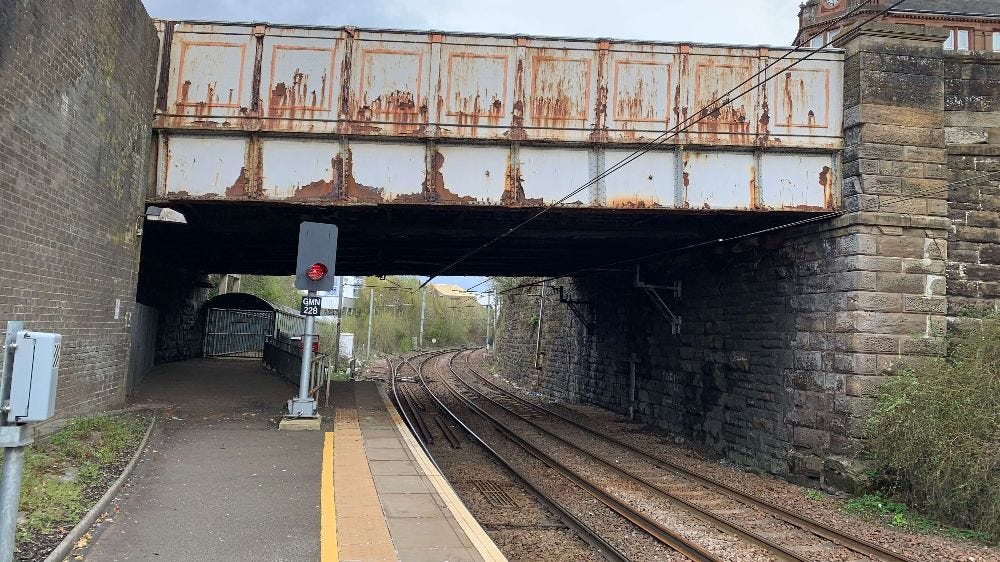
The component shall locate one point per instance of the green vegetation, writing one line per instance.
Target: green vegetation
(814, 495)
(68, 471)
(934, 437)
(899, 515)
(449, 321)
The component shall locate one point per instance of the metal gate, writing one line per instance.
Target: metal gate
(237, 333)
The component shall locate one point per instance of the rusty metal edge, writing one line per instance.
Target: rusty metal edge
(65, 547)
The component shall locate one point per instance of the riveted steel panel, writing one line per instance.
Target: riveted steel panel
(394, 170)
(647, 182)
(301, 169)
(719, 180)
(549, 174)
(211, 75)
(300, 81)
(198, 166)
(797, 181)
(479, 172)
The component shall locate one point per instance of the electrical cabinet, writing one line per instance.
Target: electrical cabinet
(34, 377)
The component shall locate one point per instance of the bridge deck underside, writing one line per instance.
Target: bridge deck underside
(261, 237)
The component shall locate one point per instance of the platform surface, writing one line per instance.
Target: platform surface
(391, 503)
(220, 482)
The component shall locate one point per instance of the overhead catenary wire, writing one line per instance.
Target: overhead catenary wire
(682, 126)
(677, 129)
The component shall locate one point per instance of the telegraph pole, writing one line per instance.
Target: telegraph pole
(371, 313)
(423, 310)
(340, 315)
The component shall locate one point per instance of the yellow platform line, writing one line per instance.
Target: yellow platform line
(328, 509)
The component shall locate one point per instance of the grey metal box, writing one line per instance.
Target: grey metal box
(33, 383)
(317, 244)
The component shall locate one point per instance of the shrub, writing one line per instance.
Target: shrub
(934, 433)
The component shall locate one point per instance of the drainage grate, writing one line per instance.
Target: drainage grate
(494, 493)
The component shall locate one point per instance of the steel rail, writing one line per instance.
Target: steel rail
(588, 535)
(394, 370)
(704, 515)
(659, 532)
(850, 542)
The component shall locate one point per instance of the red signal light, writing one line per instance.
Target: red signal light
(316, 271)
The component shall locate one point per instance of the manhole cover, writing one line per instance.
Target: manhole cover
(494, 493)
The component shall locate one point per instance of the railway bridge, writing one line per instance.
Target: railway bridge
(854, 188)
(422, 145)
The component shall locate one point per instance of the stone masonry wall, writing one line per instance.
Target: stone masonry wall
(785, 336)
(76, 90)
(972, 119)
(178, 296)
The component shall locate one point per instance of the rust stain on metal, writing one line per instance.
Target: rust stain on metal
(342, 187)
(345, 73)
(434, 189)
(240, 187)
(600, 132)
(513, 190)
(517, 131)
(826, 180)
(754, 188)
(297, 101)
(764, 129)
(636, 202)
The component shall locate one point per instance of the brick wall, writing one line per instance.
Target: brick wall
(784, 337)
(76, 90)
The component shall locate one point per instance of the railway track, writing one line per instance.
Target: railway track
(733, 519)
(586, 533)
(802, 522)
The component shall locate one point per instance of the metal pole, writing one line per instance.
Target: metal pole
(538, 331)
(340, 315)
(13, 457)
(371, 312)
(423, 310)
(487, 327)
(307, 353)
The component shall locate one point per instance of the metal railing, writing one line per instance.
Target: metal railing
(284, 357)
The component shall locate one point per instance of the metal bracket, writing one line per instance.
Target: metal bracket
(14, 436)
(574, 307)
(651, 290)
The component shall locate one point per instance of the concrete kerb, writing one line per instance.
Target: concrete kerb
(64, 548)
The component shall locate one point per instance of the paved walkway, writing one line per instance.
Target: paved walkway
(220, 481)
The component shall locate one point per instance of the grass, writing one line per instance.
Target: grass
(934, 438)
(67, 471)
(897, 514)
(814, 495)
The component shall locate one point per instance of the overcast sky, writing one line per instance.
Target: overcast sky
(753, 22)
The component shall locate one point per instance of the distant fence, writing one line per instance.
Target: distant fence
(236, 333)
(284, 357)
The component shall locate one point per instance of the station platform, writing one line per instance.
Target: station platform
(219, 481)
(389, 500)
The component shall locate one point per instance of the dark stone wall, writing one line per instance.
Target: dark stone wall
(783, 337)
(177, 295)
(972, 114)
(76, 92)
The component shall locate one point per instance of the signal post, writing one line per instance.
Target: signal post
(314, 271)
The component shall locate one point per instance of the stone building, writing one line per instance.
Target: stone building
(972, 25)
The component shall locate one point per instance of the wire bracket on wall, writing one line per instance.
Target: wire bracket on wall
(652, 290)
(576, 307)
